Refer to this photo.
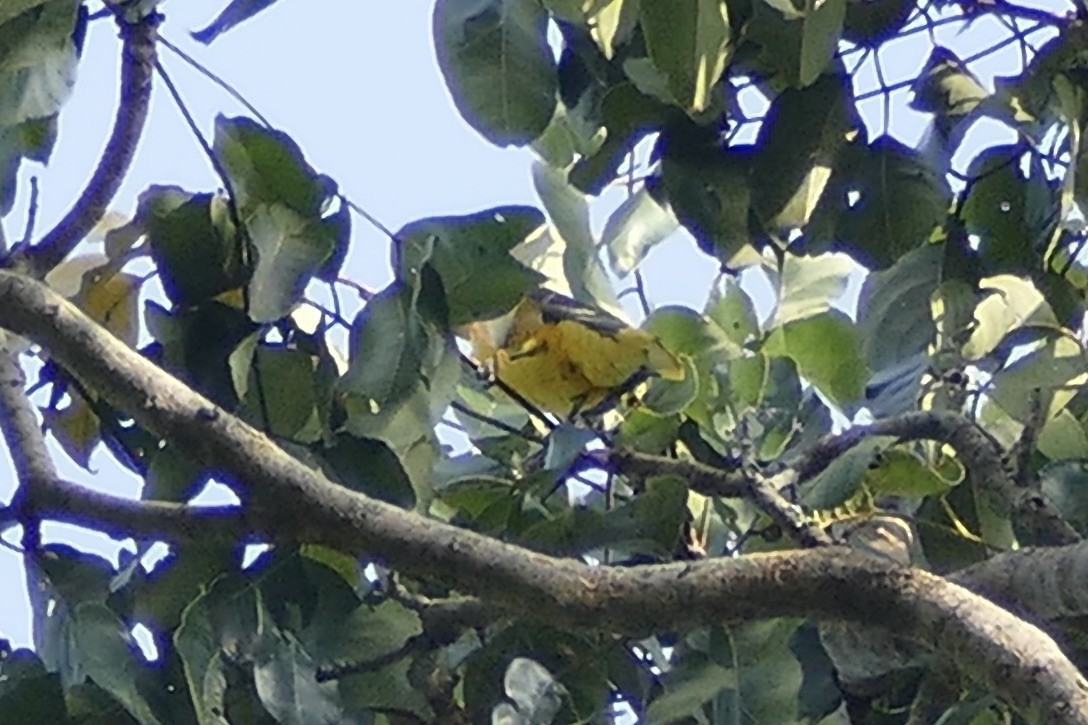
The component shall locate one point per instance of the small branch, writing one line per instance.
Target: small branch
(1025, 445)
(137, 64)
(787, 515)
(216, 79)
(31, 212)
(25, 443)
(701, 478)
(62, 500)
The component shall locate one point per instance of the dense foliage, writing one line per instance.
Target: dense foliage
(734, 122)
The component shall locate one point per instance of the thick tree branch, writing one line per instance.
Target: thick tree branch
(1007, 655)
(137, 69)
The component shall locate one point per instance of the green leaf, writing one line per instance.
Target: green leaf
(32, 139)
(236, 13)
(1065, 484)
(827, 351)
(895, 319)
(568, 214)
(111, 658)
(627, 115)
(840, 480)
(28, 693)
(799, 38)
(798, 142)
(688, 687)
(819, 693)
(291, 250)
(498, 67)
(902, 473)
(369, 466)
(638, 225)
(1063, 437)
(471, 255)
(284, 392)
(902, 199)
(995, 211)
(367, 633)
(194, 244)
(266, 167)
(163, 593)
(807, 286)
(688, 40)
(1010, 303)
(287, 687)
(708, 189)
(38, 59)
(1056, 369)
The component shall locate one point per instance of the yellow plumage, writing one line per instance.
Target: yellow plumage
(565, 357)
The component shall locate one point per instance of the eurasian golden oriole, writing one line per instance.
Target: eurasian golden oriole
(565, 357)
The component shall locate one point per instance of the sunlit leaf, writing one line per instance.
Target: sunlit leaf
(688, 40)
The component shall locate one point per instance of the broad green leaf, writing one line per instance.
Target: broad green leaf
(818, 694)
(841, 480)
(801, 135)
(808, 286)
(112, 659)
(564, 445)
(33, 140)
(471, 255)
(995, 211)
(1057, 369)
(1065, 484)
(669, 397)
(236, 13)
(873, 22)
(291, 250)
(28, 693)
(495, 58)
(827, 350)
(193, 242)
(732, 309)
(266, 167)
(287, 687)
(1010, 303)
(688, 687)
(283, 393)
(369, 466)
(900, 472)
(902, 198)
(798, 37)
(627, 115)
(688, 40)
(639, 224)
(895, 319)
(708, 188)
(568, 213)
(38, 58)
(163, 593)
(1063, 437)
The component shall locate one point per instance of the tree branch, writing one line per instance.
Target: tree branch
(137, 68)
(1008, 655)
(26, 444)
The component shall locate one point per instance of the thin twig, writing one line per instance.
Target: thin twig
(137, 63)
(216, 79)
(495, 423)
(31, 212)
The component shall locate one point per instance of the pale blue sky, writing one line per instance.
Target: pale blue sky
(358, 88)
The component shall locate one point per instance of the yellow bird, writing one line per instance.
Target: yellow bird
(565, 357)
